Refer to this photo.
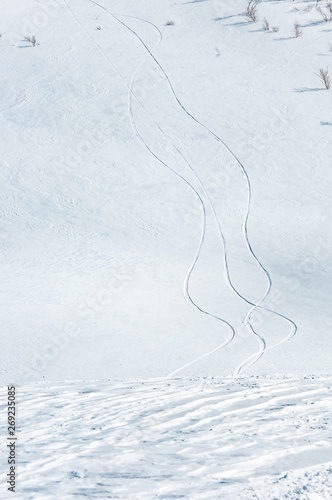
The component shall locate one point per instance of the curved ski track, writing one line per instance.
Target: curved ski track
(203, 208)
(293, 331)
(253, 358)
(193, 265)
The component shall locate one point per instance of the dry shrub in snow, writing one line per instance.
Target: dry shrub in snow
(325, 77)
(326, 14)
(251, 11)
(31, 39)
(297, 30)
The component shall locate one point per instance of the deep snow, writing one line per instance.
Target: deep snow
(99, 232)
(165, 211)
(202, 438)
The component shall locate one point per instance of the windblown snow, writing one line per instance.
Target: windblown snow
(165, 218)
(203, 438)
(165, 190)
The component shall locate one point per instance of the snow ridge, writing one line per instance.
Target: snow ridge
(202, 438)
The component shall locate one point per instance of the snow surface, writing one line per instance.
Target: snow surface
(204, 438)
(114, 199)
(165, 212)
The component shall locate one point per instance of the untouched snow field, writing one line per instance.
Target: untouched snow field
(203, 438)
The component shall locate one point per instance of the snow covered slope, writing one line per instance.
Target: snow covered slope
(130, 149)
(255, 438)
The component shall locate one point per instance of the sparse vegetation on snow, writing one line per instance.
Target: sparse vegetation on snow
(297, 30)
(266, 25)
(325, 77)
(252, 10)
(31, 39)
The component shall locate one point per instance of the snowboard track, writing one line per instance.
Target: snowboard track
(186, 291)
(253, 358)
(249, 361)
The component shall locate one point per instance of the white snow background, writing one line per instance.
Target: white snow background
(165, 211)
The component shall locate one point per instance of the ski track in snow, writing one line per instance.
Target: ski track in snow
(253, 358)
(196, 258)
(249, 438)
(246, 438)
(187, 294)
